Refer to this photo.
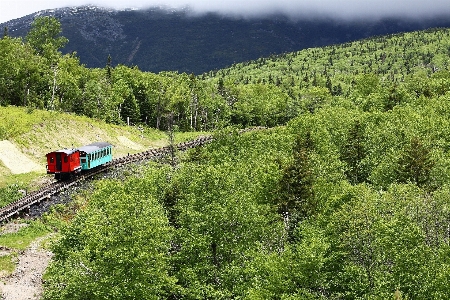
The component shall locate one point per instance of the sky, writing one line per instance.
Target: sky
(340, 9)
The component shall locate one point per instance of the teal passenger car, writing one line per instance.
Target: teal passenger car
(95, 154)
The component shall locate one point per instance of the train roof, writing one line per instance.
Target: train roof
(94, 147)
(66, 151)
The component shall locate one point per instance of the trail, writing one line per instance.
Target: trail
(26, 281)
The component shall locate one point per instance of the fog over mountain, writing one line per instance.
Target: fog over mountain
(296, 9)
(183, 40)
(192, 40)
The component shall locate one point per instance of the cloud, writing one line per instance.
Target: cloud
(340, 9)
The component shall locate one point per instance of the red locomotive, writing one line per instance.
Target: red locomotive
(63, 163)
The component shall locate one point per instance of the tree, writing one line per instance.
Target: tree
(45, 37)
(353, 153)
(296, 193)
(117, 248)
(415, 164)
(23, 75)
(222, 220)
(129, 109)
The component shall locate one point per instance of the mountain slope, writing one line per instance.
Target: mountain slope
(161, 40)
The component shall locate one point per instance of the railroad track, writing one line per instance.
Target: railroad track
(47, 191)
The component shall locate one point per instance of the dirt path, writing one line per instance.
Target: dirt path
(15, 160)
(26, 281)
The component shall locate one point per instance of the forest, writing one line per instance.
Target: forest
(344, 195)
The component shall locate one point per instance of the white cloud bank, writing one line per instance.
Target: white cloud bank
(343, 9)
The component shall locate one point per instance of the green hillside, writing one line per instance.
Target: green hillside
(349, 200)
(345, 196)
(34, 133)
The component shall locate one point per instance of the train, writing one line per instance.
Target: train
(67, 163)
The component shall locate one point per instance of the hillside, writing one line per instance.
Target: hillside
(344, 196)
(35, 133)
(165, 40)
(348, 200)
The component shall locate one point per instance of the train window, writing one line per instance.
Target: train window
(52, 160)
(65, 159)
(83, 160)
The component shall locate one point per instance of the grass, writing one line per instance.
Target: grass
(7, 263)
(39, 132)
(31, 180)
(19, 120)
(23, 238)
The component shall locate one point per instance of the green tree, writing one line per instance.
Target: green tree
(45, 37)
(415, 164)
(129, 110)
(23, 76)
(296, 199)
(109, 68)
(353, 154)
(116, 249)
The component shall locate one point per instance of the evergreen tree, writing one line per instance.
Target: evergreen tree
(108, 68)
(415, 164)
(296, 194)
(353, 153)
(130, 109)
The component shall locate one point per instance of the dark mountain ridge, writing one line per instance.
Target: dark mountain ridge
(160, 39)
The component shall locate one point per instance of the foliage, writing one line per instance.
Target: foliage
(296, 200)
(353, 153)
(124, 257)
(211, 228)
(348, 200)
(415, 165)
(44, 36)
(377, 74)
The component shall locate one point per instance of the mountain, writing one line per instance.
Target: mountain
(160, 39)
